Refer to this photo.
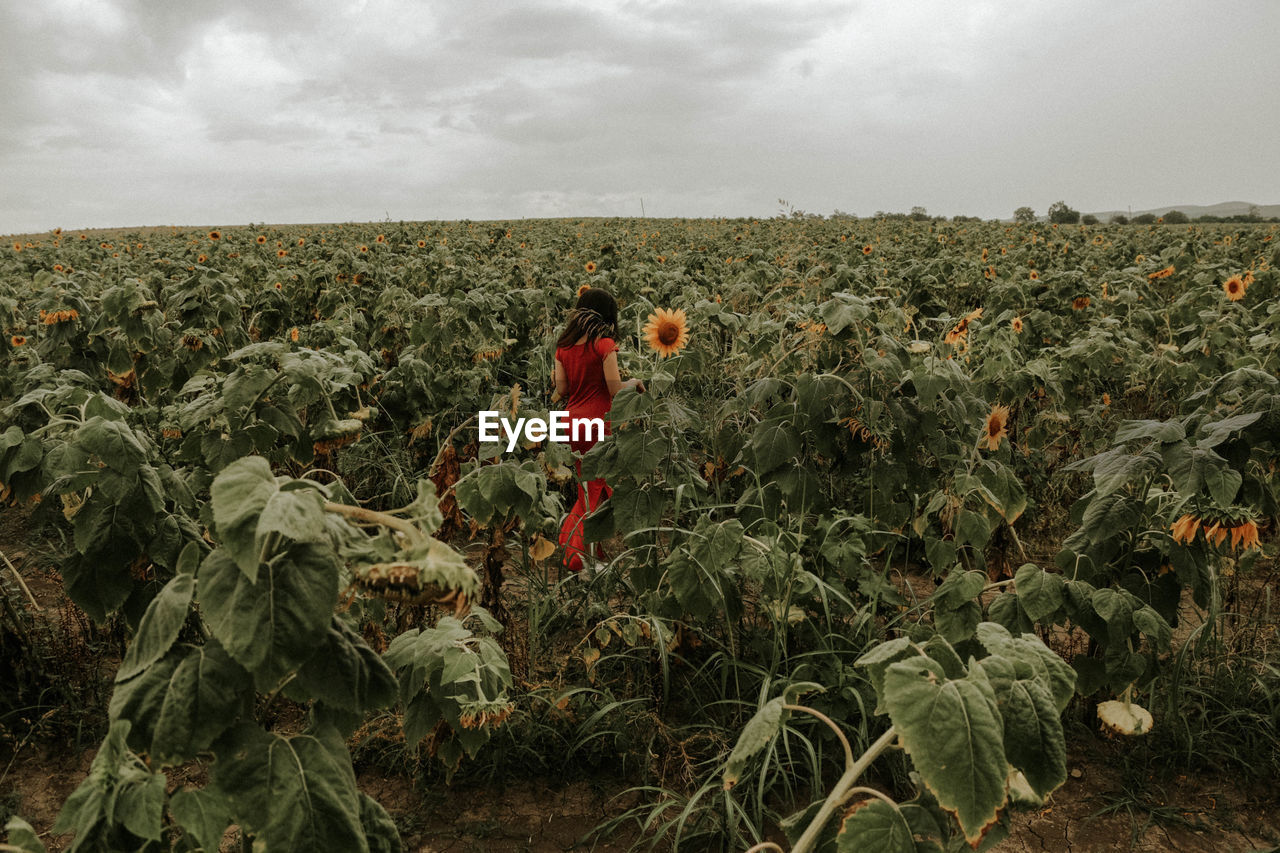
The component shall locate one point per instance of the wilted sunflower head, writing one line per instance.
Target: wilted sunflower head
(666, 331)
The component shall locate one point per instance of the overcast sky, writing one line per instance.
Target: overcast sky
(156, 112)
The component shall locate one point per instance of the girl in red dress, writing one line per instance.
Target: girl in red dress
(586, 379)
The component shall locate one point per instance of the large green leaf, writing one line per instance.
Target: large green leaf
(293, 792)
(762, 728)
(1039, 592)
(875, 825)
(181, 703)
(379, 828)
(238, 496)
(346, 673)
(203, 815)
(22, 835)
(1033, 738)
(774, 442)
(271, 626)
(953, 732)
(160, 623)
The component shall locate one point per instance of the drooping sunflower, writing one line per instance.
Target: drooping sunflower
(1184, 529)
(1235, 288)
(666, 331)
(960, 331)
(996, 427)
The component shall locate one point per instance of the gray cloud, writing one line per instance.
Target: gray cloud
(131, 112)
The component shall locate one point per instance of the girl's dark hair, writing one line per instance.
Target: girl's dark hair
(595, 316)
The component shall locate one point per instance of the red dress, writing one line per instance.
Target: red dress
(587, 397)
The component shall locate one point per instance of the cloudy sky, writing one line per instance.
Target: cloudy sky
(153, 112)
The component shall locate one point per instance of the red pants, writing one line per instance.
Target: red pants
(589, 500)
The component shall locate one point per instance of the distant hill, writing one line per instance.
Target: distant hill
(1226, 208)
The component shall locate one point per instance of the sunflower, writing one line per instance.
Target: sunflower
(1034, 276)
(422, 244)
(200, 259)
(583, 289)
(364, 249)
(215, 235)
(302, 241)
(1235, 288)
(1164, 273)
(1079, 303)
(866, 250)
(1106, 399)
(280, 253)
(995, 429)
(590, 266)
(984, 254)
(18, 341)
(666, 331)
(381, 238)
(1016, 325)
(293, 334)
(961, 330)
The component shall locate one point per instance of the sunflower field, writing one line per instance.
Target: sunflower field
(902, 506)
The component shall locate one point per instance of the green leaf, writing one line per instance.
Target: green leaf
(774, 442)
(139, 807)
(271, 626)
(203, 814)
(954, 734)
(239, 494)
(1147, 620)
(1033, 656)
(762, 728)
(1117, 468)
(22, 835)
(876, 825)
(180, 704)
(291, 792)
(878, 659)
(296, 515)
(1162, 431)
(346, 673)
(1033, 739)
(1039, 592)
(379, 828)
(159, 626)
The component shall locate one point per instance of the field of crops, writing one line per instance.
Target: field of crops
(913, 503)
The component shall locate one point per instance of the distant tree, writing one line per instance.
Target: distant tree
(1061, 214)
(1089, 219)
(919, 214)
(1144, 219)
(1024, 214)
(1176, 217)
(1119, 219)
